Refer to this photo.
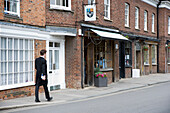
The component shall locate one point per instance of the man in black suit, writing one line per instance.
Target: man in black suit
(41, 76)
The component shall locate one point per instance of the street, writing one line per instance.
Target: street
(155, 99)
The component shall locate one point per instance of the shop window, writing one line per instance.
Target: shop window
(12, 7)
(168, 58)
(146, 54)
(16, 62)
(103, 55)
(107, 9)
(126, 15)
(128, 54)
(154, 54)
(60, 4)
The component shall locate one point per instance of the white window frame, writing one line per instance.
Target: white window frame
(145, 20)
(126, 15)
(24, 83)
(153, 23)
(105, 11)
(91, 2)
(136, 18)
(13, 13)
(60, 7)
(169, 25)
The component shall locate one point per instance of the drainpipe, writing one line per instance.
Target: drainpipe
(158, 35)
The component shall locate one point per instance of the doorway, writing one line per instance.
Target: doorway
(122, 59)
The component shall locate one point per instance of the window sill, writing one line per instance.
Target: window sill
(61, 9)
(146, 31)
(6, 87)
(154, 64)
(106, 19)
(153, 32)
(107, 69)
(127, 27)
(12, 16)
(168, 63)
(137, 29)
(146, 64)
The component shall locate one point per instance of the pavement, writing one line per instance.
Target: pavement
(70, 95)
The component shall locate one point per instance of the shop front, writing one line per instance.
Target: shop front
(101, 50)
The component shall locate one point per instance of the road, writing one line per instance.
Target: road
(153, 99)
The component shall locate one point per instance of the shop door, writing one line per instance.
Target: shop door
(122, 59)
(54, 67)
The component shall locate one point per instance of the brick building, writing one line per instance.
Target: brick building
(123, 39)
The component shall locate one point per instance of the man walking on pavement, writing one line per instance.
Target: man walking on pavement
(41, 76)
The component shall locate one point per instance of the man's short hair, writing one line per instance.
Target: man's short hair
(43, 51)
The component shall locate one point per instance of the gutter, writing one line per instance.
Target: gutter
(158, 34)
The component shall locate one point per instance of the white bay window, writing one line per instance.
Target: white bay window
(60, 4)
(16, 62)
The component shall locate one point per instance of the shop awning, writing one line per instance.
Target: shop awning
(109, 35)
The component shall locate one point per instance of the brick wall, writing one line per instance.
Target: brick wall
(32, 12)
(146, 70)
(154, 69)
(109, 77)
(73, 62)
(128, 72)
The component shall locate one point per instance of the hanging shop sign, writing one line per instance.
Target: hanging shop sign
(90, 13)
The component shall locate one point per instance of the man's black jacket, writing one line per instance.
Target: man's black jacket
(41, 67)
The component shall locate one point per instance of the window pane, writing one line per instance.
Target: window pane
(3, 55)
(31, 76)
(10, 43)
(15, 78)
(14, 7)
(3, 67)
(10, 55)
(26, 66)
(3, 80)
(21, 77)
(20, 44)
(15, 67)
(15, 44)
(26, 44)
(58, 2)
(50, 44)
(50, 60)
(57, 44)
(21, 67)
(31, 44)
(3, 43)
(31, 66)
(26, 77)
(26, 55)
(10, 67)
(10, 79)
(56, 59)
(52, 2)
(21, 55)
(15, 55)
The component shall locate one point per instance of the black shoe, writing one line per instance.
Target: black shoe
(49, 99)
(37, 101)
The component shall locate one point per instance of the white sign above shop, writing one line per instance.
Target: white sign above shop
(90, 12)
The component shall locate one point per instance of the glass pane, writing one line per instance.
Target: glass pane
(10, 43)
(26, 44)
(57, 44)
(52, 2)
(3, 80)
(21, 67)
(58, 2)
(16, 78)
(31, 55)
(21, 55)
(56, 59)
(15, 67)
(10, 67)
(20, 44)
(26, 77)
(26, 66)
(31, 66)
(15, 55)
(31, 44)
(26, 55)
(10, 79)
(21, 77)
(3, 67)
(10, 55)
(50, 60)
(3, 43)
(50, 44)
(14, 7)
(16, 44)
(31, 76)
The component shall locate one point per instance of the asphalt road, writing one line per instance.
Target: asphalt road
(155, 99)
